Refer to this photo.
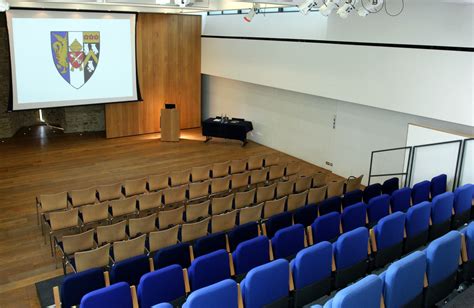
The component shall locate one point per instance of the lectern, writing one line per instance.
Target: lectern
(169, 125)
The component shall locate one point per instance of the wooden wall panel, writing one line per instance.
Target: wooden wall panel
(169, 71)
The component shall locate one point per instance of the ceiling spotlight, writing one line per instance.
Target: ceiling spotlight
(327, 7)
(182, 3)
(373, 7)
(346, 9)
(306, 6)
(4, 6)
(251, 14)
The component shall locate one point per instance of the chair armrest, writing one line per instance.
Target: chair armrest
(187, 288)
(373, 241)
(57, 299)
(133, 290)
(231, 265)
(240, 301)
(107, 278)
(151, 264)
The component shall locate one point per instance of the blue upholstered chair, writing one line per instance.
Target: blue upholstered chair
(354, 216)
(76, 285)
(117, 295)
(372, 191)
(441, 211)
(326, 228)
(387, 238)
(288, 241)
(351, 256)
(130, 270)
(462, 205)
(378, 208)
(329, 205)
(267, 285)
(420, 192)
(242, 233)
(221, 294)
(176, 254)
(403, 281)
(390, 185)
(163, 285)
(162, 305)
(250, 254)
(351, 198)
(438, 185)
(417, 225)
(365, 293)
(468, 252)
(400, 200)
(209, 243)
(311, 269)
(277, 222)
(305, 215)
(442, 263)
(208, 269)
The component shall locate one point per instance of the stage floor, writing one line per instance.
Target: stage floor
(41, 160)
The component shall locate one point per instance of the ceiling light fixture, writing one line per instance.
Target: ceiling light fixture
(347, 8)
(373, 7)
(329, 6)
(4, 6)
(251, 14)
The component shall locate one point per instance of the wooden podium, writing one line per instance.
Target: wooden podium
(169, 125)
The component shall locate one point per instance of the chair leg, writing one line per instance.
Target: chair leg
(37, 215)
(51, 244)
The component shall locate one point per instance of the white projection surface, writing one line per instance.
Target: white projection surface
(61, 58)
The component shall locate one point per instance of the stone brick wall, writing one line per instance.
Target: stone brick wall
(72, 119)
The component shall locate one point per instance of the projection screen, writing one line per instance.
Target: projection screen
(61, 58)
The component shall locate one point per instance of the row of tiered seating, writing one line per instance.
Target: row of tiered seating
(420, 279)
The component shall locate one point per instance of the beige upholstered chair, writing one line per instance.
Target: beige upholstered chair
(297, 200)
(163, 238)
(250, 213)
(50, 203)
(125, 208)
(178, 178)
(274, 207)
(238, 166)
(284, 188)
(170, 218)
(197, 211)
(150, 202)
(174, 196)
(258, 176)
(220, 169)
(353, 183)
(61, 222)
(255, 162)
(111, 233)
(199, 190)
(336, 188)
(110, 192)
(194, 230)
(83, 197)
(158, 182)
(276, 172)
(319, 179)
(271, 160)
(303, 183)
(98, 257)
(135, 187)
(223, 222)
(292, 168)
(78, 242)
(240, 180)
(220, 186)
(129, 248)
(221, 205)
(200, 173)
(317, 194)
(142, 225)
(244, 198)
(265, 193)
(95, 213)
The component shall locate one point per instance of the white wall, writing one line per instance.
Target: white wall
(301, 125)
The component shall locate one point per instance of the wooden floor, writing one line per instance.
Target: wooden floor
(44, 161)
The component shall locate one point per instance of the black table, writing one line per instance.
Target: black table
(236, 129)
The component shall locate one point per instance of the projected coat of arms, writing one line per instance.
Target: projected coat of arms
(76, 55)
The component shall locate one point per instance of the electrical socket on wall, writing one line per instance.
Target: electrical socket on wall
(329, 163)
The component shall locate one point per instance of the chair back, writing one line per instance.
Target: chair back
(366, 293)
(201, 173)
(271, 160)
(244, 198)
(332, 204)
(378, 208)
(130, 270)
(353, 183)
(150, 201)
(305, 215)
(64, 219)
(352, 197)
(250, 213)
(277, 222)
(116, 295)
(462, 198)
(442, 257)
(255, 162)
(158, 182)
(266, 193)
(372, 191)
(389, 231)
(288, 241)
(274, 207)
(420, 192)
(292, 168)
(95, 258)
(83, 196)
(209, 269)
(317, 194)
(438, 185)
(276, 172)
(220, 169)
(351, 248)
(123, 206)
(239, 180)
(178, 178)
(319, 179)
(326, 227)
(238, 166)
(163, 238)
(284, 188)
(94, 212)
(442, 208)
(258, 176)
(135, 187)
(242, 233)
(192, 231)
(390, 185)
(75, 286)
(170, 218)
(209, 243)
(303, 183)
(53, 202)
(129, 248)
(111, 233)
(199, 190)
(142, 225)
(250, 254)
(354, 216)
(174, 195)
(220, 185)
(176, 254)
(78, 242)
(400, 200)
(222, 293)
(223, 222)
(197, 211)
(418, 219)
(109, 192)
(336, 188)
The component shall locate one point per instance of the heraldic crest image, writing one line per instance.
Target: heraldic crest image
(75, 55)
